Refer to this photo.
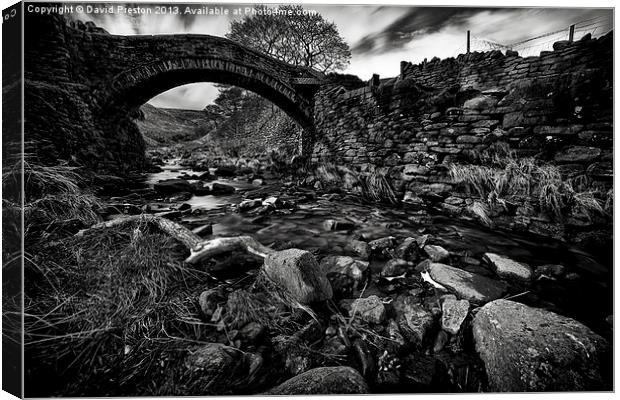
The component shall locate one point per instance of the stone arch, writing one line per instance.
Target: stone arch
(132, 88)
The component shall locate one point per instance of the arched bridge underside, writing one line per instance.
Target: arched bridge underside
(126, 71)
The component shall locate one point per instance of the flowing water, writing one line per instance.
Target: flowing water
(587, 297)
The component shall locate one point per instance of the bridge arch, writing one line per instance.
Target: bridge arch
(132, 88)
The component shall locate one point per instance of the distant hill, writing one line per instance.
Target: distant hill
(168, 126)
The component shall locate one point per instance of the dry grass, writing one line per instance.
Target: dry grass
(504, 176)
(371, 186)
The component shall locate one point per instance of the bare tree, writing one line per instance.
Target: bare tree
(300, 37)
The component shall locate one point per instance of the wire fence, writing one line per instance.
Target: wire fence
(597, 26)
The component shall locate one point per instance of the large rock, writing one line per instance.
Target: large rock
(172, 186)
(530, 349)
(221, 188)
(324, 380)
(298, 272)
(466, 285)
(345, 265)
(507, 268)
(414, 320)
(370, 309)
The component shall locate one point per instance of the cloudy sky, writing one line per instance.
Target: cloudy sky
(380, 37)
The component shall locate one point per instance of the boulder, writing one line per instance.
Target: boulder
(530, 349)
(345, 265)
(507, 268)
(453, 313)
(436, 253)
(298, 272)
(466, 285)
(369, 309)
(172, 186)
(324, 380)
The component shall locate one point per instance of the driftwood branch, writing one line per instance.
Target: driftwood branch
(198, 247)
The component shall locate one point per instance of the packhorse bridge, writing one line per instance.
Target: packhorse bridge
(108, 77)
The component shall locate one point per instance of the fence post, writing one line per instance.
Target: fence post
(468, 41)
(571, 33)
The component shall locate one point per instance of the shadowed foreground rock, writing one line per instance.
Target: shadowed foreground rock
(325, 380)
(530, 349)
(298, 272)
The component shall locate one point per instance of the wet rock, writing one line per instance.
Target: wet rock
(396, 267)
(298, 272)
(413, 319)
(349, 266)
(200, 190)
(530, 349)
(226, 170)
(436, 253)
(380, 246)
(408, 250)
(172, 186)
(440, 341)
(342, 285)
(453, 313)
(361, 248)
(273, 201)
(338, 225)
(251, 332)
(550, 270)
(369, 309)
(204, 231)
(396, 340)
(258, 182)
(466, 285)
(324, 380)
(221, 188)
(418, 372)
(507, 268)
(247, 205)
(213, 361)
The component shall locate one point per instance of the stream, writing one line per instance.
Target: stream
(586, 293)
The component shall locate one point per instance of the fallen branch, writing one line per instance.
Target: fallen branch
(198, 247)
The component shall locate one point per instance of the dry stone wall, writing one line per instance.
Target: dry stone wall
(556, 107)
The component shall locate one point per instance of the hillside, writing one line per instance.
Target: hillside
(168, 126)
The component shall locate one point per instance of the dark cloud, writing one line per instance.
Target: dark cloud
(417, 21)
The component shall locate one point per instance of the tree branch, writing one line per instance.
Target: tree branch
(199, 249)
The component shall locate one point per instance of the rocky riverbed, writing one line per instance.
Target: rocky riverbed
(389, 300)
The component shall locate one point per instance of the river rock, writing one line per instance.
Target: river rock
(414, 320)
(361, 248)
(324, 380)
(530, 349)
(370, 309)
(507, 268)
(436, 253)
(396, 267)
(378, 246)
(466, 285)
(226, 170)
(453, 313)
(221, 188)
(345, 265)
(213, 361)
(550, 270)
(298, 272)
(338, 225)
(247, 205)
(172, 186)
(408, 250)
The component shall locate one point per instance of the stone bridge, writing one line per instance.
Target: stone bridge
(117, 74)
